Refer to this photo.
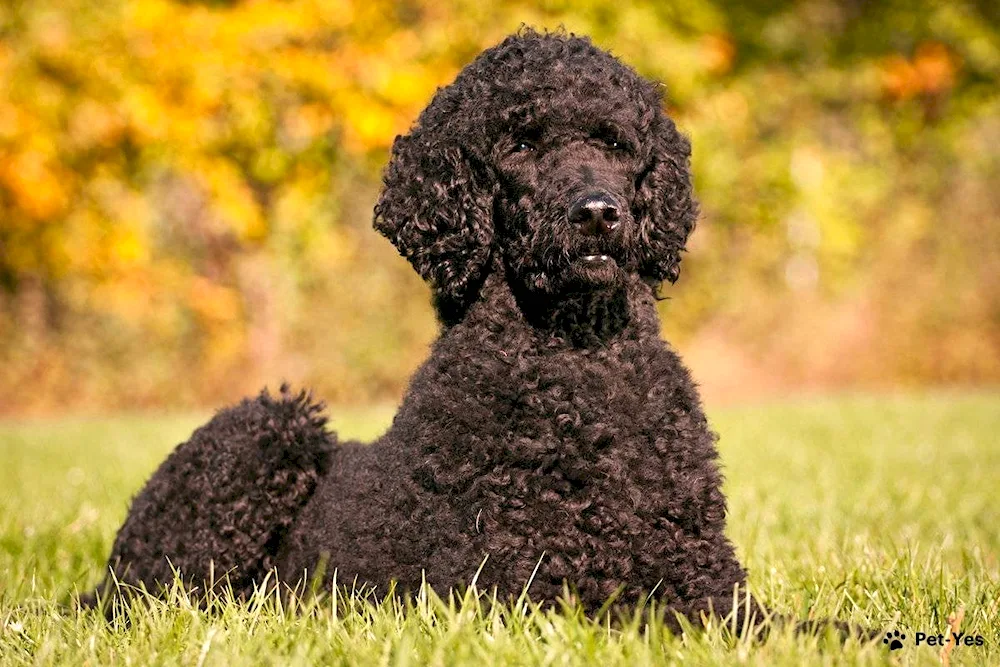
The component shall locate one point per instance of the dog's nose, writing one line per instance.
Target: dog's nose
(595, 215)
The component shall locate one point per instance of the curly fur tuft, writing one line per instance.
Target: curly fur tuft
(219, 506)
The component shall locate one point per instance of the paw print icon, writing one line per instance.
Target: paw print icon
(894, 640)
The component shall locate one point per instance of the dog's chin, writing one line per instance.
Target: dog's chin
(586, 272)
(595, 271)
(585, 301)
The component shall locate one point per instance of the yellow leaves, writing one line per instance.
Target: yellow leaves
(407, 88)
(333, 13)
(96, 249)
(146, 115)
(128, 249)
(82, 243)
(149, 15)
(370, 126)
(270, 22)
(728, 109)
(231, 198)
(806, 167)
(199, 61)
(319, 73)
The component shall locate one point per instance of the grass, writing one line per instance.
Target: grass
(879, 510)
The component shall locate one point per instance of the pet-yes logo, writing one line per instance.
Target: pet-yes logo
(895, 639)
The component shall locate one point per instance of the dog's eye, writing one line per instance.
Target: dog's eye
(615, 144)
(611, 141)
(523, 147)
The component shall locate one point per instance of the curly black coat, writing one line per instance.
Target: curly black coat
(545, 196)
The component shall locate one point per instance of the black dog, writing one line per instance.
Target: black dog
(545, 196)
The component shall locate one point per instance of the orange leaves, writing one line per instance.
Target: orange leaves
(931, 71)
(93, 124)
(212, 302)
(717, 53)
(36, 182)
(308, 122)
(935, 66)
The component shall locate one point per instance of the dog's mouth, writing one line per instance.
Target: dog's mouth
(596, 263)
(595, 268)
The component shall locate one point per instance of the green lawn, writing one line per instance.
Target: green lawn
(884, 511)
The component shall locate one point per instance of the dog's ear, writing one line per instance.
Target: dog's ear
(665, 204)
(436, 207)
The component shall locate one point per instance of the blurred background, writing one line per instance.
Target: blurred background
(186, 191)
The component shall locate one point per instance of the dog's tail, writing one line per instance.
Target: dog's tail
(216, 510)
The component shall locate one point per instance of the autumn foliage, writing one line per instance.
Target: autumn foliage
(186, 190)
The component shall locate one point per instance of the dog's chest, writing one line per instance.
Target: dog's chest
(606, 402)
(592, 450)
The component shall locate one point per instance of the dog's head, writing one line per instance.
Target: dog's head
(549, 159)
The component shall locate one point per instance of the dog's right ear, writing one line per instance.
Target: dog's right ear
(437, 209)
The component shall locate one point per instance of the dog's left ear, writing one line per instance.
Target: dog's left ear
(665, 204)
(437, 209)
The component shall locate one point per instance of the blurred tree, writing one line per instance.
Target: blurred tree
(185, 187)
